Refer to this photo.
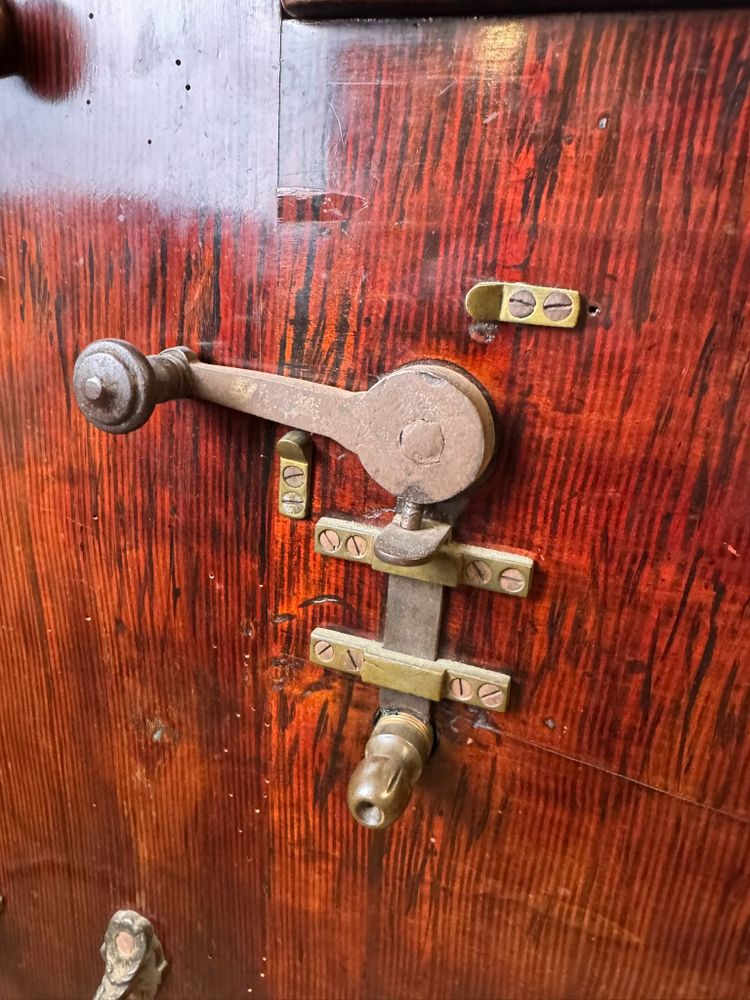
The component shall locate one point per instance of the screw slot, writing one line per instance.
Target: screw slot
(461, 689)
(356, 546)
(293, 476)
(491, 695)
(512, 581)
(329, 540)
(558, 306)
(293, 503)
(478, 571)
(521, 303)
(324, 650)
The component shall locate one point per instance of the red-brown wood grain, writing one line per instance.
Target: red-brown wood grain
(558, 151)
(163, 743)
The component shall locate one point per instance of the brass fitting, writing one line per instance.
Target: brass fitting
(381, 786)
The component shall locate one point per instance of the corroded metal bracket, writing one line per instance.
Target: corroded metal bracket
(538, 305)
(133, 959)
(453, 564)
(432, 679)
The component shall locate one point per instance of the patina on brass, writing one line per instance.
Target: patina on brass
(133, 959)
(452, 564)
(513, 302)
(372, 663)
(295, 453)
(425, 432)
(381, 785)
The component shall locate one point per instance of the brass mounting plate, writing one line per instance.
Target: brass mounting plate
(454, 563)
(295, 454)
(538, 305)
(433, 679)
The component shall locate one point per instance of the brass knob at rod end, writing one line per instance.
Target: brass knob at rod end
(381, 786)
(117, 387)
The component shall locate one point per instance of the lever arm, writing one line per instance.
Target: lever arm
(425, 432)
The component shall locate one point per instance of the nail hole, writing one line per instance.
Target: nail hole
(187, 86)
(149, 141)
(91, 16)
(178, 62)
(88, 102)
(603, 122)
(593, 310)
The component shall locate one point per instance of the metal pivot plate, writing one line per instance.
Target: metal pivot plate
(452, 565)
(433, 679)
(133, 959)
(295, 452)
(538, 305)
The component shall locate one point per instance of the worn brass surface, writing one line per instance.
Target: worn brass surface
(453, 563)
(432, 679)
(493, 302)
(295, 454)
(381, 785)
(133, 959)
(424, 432)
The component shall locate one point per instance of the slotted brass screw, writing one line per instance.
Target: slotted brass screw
(478, 571)
(292, 503)
(324, 650)
(521, 303)
(512, 581)
(461, 689)
(329, 540)
(354, 659)
(558, 306)
(491, 695)
(293, 476)
(356, 546)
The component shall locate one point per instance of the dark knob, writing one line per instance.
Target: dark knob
(117, 387)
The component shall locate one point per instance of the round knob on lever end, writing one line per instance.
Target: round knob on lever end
(381, 786)
(117, 387)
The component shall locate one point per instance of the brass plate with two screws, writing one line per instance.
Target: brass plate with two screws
(452, 565)
(433, 679)
(498, 302)
(295, 451)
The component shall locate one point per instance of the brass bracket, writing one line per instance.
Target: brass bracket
(432, 679)
(295, 453)
(538, 305)
(453, 563)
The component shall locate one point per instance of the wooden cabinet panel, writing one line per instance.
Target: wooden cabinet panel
(607, 154)
(163, 742)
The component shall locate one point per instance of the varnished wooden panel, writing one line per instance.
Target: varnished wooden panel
(607, 154)
(163, 743)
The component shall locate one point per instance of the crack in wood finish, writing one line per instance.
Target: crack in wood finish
(163, 743)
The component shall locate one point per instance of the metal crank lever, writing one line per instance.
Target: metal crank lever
(424, 432)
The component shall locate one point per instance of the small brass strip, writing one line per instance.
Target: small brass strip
(433, 679)
(454, 563)
(295, 452)
(538, 305)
